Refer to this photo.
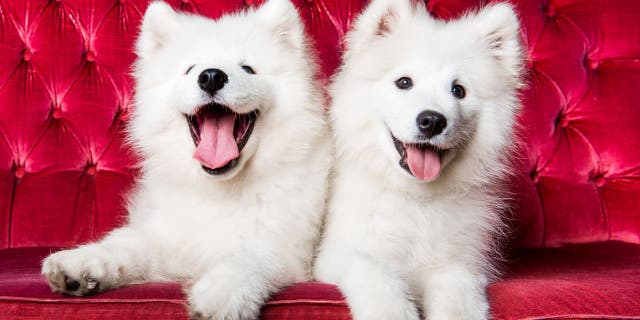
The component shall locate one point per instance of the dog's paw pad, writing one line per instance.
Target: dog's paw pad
(70, 273)
(92, 285)
(81, 287)
(70, 284)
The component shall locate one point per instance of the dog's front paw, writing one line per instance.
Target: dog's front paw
(215, 300)
(79, 272)
(456, 294)
(386, 310)
(465, 308)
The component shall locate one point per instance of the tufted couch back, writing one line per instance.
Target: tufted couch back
(66, 93)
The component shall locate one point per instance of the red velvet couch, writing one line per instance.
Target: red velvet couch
(66, 93)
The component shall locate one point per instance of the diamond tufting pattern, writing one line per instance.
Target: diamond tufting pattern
(66, 92)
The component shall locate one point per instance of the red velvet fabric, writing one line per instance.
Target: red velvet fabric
(65, 95)
(594, 281)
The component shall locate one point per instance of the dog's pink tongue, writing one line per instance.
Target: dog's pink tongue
(217, 145)
(423, 163)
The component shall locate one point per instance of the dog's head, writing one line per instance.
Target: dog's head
(205, 87)
(432, 89)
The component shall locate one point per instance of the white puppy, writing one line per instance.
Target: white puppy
(423, 112)
(235, 152)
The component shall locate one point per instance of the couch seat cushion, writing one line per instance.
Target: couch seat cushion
(595, 281)
(592, 281)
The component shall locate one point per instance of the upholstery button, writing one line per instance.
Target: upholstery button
(563, 120)
(551, 11)
(19, 172)
(530, 64)
(534, 175)
(57, 114)
(430, 6)
(26, 55)
(593, 64)
(599, 180)
(91, 56)
(124, 115)
(91, 170)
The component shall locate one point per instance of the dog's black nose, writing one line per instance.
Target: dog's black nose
(431, 123)
(212, 80)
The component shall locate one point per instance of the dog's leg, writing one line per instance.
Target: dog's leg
(455, 293)
(236, 288)
(120, 258)
(374, 293)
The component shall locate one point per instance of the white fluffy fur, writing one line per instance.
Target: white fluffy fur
(234, 239)
(399, 247)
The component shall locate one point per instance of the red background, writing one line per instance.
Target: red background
(66, 93)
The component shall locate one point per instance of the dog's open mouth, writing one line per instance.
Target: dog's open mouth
(219, 135)
(422, 160)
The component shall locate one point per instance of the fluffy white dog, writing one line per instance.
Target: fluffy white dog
(236, 153)
(423, 112)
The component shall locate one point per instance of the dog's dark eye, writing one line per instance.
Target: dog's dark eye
(404, 83)
(458, 91)
(248, 69)
(189, 69)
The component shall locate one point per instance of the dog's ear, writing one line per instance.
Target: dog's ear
(499, 27)
(378, 20)
(158, 24)
(282, 17)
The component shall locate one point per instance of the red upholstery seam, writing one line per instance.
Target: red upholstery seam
(335, 23)
(307, 301)
(556, 86)
(89, 300)
(119, 301)
(583, 316)
(584, 36)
